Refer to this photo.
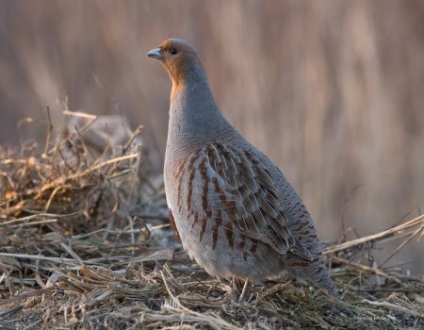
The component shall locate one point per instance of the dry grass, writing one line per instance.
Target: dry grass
(84, 243)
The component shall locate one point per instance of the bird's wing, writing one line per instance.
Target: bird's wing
(240, 189)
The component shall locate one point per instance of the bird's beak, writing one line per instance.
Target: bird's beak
(156, 53)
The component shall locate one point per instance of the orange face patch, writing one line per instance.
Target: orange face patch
(177, 58)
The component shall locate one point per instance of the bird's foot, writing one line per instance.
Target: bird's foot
(241, 289)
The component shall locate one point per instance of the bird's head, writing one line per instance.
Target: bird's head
(178, 58)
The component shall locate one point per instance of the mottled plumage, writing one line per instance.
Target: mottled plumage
(233, 209)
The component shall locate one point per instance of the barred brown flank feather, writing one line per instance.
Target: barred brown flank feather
(172, 224)
(242, 242)
(236, 214)
(179, 168)
(179, 187)
(205, 184)
(195, 220)
(229, 234)
(254, 245)
(232, 209)
(177, 177)
(190, 185)
(215, 228)
(203, 228)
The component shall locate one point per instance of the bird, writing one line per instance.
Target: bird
(232, 209)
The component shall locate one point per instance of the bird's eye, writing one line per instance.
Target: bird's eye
(173, 51)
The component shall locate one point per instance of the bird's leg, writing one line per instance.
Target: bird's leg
(244, 290)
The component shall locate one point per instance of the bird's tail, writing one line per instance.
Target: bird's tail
(318, 273)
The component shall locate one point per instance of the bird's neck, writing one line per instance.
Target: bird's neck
(194, 115)
(193, 98)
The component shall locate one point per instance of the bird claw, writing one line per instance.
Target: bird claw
(236, 287)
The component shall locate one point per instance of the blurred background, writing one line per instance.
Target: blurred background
(332, 91)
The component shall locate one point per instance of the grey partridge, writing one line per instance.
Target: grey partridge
(234, 211)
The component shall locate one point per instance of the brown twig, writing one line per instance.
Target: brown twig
(397, 231)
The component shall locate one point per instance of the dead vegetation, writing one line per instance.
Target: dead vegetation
(84, 243)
